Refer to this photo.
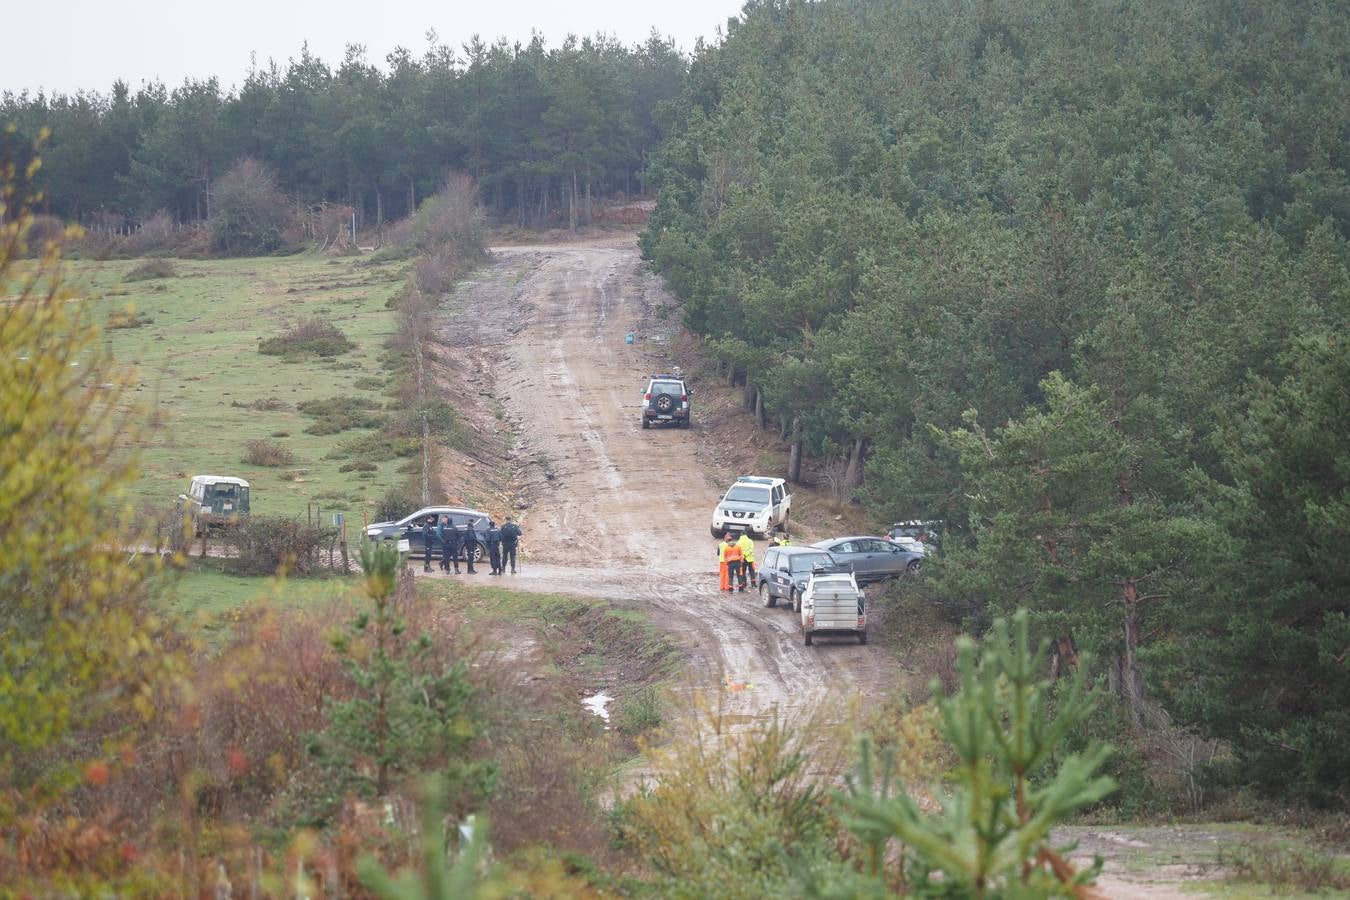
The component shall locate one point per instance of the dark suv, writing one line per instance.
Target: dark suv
(666, 401)
(784, 571)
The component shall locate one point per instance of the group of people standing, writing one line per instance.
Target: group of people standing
(736, 562)
(500, 543)
(736, 559)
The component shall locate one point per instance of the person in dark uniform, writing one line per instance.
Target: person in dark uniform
(454, 539)
(493, 539)
(428, 541)
(510, 537)
(470, 545)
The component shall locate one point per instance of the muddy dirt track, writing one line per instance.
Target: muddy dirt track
(617, 511)
(622, 513)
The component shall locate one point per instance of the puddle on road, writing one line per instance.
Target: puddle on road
(597, 704)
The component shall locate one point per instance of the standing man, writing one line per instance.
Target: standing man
(747, 545)
(441, 524)
(450, 548)
(510, 537)
(494, 546)
(428, 541)
(729, 555)
(470, 545)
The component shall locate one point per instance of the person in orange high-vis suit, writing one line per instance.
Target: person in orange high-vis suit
(729, 562)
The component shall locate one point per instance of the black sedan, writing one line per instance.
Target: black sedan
(872, 558)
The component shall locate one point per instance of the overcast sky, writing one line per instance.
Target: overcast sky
(67, 46)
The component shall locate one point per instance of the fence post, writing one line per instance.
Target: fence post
(343, 545)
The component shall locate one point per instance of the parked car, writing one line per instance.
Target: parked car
(666, 400)
(870, 558)
(784, 572)
(410, 528)
(926, 532)
(833, 604)
(213, 501)
(755, 503)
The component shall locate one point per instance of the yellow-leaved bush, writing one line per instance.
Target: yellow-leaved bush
(77, 641)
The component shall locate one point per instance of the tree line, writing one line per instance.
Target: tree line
(1074, 278)
(544, 131)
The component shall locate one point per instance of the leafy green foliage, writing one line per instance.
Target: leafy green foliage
(1007, 791)
(1029, 281)
(1265, 662)
(540, 130)
(409, 713)
(79, 644)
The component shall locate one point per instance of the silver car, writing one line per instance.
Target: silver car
(872, 558)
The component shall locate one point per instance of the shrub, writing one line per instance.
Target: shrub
(367, 383)
(405, 715)
(122, 318)
(336, 414)
(265, 545)
(308, 337)
(1007, 791)
(262, 452)
(81, 646)
(395, 504)
(249, 211)
(150, 268)
(377, 446)
(450, 221)
(359, 466)
(734, 805)
(265, 404)
(1285, 868)
(640, 712)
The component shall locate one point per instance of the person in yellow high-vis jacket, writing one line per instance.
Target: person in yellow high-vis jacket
(747, 545)
(729, 562)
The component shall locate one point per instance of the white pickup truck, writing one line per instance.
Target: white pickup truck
(833, 604)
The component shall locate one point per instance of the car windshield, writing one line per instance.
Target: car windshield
(667, 387)
(748, 494)
(803, 562)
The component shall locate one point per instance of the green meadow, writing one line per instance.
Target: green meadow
(202, 389)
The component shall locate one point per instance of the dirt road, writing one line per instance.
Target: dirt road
(621, 513)
(617, 511)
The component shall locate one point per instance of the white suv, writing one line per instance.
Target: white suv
(755, 504)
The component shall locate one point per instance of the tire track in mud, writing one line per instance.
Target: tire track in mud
(618, 512)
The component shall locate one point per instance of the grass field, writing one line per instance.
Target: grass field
(199, 373)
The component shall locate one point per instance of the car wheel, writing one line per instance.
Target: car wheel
(806, 636)
(862, 637)
(796, 601)
(766, 596)
(912, 568)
